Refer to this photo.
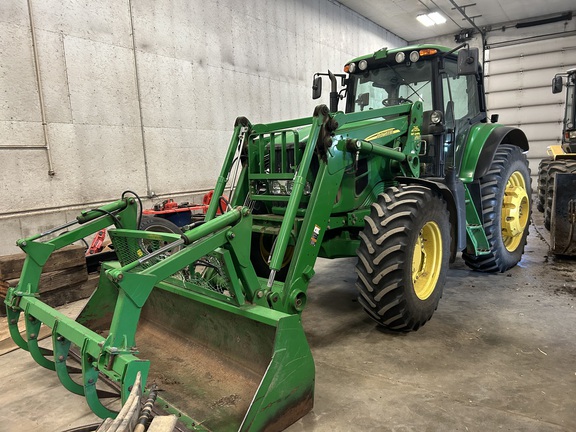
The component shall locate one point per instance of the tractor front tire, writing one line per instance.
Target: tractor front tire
(403, 257)
(506, 202)
(260, 250)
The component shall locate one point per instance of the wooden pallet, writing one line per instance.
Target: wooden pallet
(62, 281)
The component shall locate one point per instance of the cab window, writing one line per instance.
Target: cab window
(392, 85)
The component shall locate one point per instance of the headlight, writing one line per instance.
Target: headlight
(351, 67)
(258, 188)
(276, 187)
(571, 135)
(362, 65)
(436, 117)
(400, 57)
(285, 187)
(414, 56)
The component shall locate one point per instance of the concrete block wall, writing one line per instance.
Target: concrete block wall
(142, 94)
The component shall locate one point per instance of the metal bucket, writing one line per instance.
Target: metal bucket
(227, 371)
(221, 364)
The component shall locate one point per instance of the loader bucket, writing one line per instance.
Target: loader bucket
(229, 371)
(223, 368)
(186, 313)
(220, 366)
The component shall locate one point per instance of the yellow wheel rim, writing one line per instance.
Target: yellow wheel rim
(265, 252)
(427, 260)
(515, 211)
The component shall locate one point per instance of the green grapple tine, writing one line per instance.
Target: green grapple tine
(90, 377)
(13, 316)
(32, 333)
(61, 348)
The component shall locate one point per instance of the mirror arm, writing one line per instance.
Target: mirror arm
(462, 45)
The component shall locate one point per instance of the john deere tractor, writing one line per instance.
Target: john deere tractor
(404, 175)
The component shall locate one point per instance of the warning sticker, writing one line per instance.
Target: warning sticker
(315, 234)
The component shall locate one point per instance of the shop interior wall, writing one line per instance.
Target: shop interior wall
(104, 96)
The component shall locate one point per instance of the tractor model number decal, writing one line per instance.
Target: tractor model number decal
(383, 133)
(315, 234)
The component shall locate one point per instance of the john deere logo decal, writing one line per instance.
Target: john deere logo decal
(384, 133)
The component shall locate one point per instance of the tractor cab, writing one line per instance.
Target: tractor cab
(448, 85)
(569, 127)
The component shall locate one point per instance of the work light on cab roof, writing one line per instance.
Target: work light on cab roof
(400, 57)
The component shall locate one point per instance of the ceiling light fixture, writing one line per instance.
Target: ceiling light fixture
(437, 17)
(425, 20)
(431, 19)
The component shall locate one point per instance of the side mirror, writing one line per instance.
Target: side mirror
(557, 84)
(317, 87)
(468, 61)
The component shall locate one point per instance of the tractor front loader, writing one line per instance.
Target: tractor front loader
(406, 176)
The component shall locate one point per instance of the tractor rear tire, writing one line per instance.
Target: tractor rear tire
(506, 202)
(403, 257)
(558, 166)
(543, 167)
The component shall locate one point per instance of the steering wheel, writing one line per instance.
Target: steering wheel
(395, 101)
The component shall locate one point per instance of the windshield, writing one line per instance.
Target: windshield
(392, 85)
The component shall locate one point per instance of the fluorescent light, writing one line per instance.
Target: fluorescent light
(425, 20)
(431, 19)
(437, 17)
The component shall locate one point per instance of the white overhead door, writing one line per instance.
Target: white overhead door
(518, 88)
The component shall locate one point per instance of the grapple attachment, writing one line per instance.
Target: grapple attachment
(186, 311)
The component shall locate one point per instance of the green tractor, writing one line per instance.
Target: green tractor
(406, 176)
(556, 175)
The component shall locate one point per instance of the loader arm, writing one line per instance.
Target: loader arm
(335, 141)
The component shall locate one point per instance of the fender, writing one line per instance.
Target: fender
(453, 194)
(481, 144)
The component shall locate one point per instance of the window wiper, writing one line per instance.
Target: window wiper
(416, 91)
(401, 78)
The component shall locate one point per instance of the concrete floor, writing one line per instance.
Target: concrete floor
(497, 355)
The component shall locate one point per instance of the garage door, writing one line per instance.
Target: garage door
(518, 87)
